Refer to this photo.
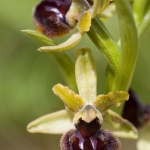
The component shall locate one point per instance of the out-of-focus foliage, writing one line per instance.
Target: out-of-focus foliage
(27, 77)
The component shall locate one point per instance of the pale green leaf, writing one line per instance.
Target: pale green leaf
(129, 46)
(85, 74)
(54, 123)
(71, 42)
(39, 37)
(104, 102)
(118, 126)
(72, 100)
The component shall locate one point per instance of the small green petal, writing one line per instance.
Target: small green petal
(84, 22)
(104, 102)
(72, 100)
(54, 123)
(118, 126)
(39, 37)
(143, 142)
(99, 6)
(71, 42)
(85, 74)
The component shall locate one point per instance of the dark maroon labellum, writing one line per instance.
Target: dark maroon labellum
(49, 17)
(88, 136)
(88, 129)
(134, 111)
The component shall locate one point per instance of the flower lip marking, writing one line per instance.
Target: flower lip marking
(49, 17)
(101, 140)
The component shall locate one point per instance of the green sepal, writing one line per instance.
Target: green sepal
(39, 37)
(86, 74)
(71, 42)
(54, 123)
(118, 126)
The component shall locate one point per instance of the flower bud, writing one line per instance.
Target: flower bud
(134, 111)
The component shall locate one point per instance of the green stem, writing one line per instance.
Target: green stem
(104, 42)
(129, 46)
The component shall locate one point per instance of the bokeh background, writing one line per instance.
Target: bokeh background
(27, 77)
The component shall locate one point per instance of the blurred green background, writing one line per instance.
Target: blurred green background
(27, 77)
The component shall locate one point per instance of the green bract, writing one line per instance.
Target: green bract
(86, 104)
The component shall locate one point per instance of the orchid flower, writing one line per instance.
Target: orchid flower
(85, 105)
(80, 14)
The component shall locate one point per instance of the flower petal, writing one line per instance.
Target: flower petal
(55, 123)
(39, 37)
(71, 42)
(72, 100)
(118, 126)
(84, 22)
(85, 74)
(104, 102)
